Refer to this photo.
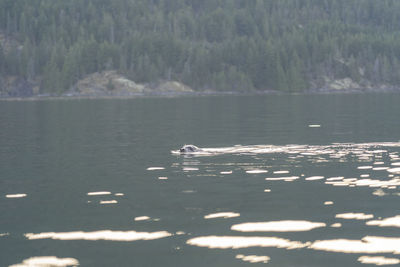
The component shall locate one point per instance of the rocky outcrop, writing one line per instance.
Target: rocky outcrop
(110, 83)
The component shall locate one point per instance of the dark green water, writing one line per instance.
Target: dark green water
(56, 152)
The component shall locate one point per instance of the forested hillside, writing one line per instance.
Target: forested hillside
(233, 45)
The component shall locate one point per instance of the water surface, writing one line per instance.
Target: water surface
(295, 180)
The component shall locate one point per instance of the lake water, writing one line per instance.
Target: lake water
(292, 180)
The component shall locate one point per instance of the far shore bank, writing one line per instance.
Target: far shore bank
(199, 94)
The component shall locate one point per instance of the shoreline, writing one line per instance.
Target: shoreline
(199, 94)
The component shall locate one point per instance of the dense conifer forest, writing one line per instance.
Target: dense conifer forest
(223, 45)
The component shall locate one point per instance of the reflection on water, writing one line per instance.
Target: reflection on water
(253, 258)
(236, 242)
(100, 235)
(47, 261)
(388, 222)
(16, 195)
(260, 200)
(277, 226)
(224, 215)
(368, 244)
(378, 260)
(354, 216)
(376, 169)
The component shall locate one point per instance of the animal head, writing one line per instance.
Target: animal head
(189, 148)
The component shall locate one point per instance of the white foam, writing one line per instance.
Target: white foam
(47, 261)
(100, 235)
(224, 215)
(277, 226)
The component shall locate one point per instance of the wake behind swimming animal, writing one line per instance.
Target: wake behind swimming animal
(189, 149)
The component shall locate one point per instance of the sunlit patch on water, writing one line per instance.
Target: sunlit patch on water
(47, 261)
(236, 242)
(354, 216)
(256, 171)
(364, 167)
(224, 215)
(253, 258)
(394, 170)
(378, 260)
(277, 226)
(100, 235)
(99, 193)
(16, 195)
(106, 202)
(388, 222)
(155, 168)
(286, 179)
(368, 244)
(142, 218)
(188, 169)
(313, 178)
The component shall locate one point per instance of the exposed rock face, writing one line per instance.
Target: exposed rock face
(110, 83)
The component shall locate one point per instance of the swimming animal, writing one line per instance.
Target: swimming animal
(189, 149)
